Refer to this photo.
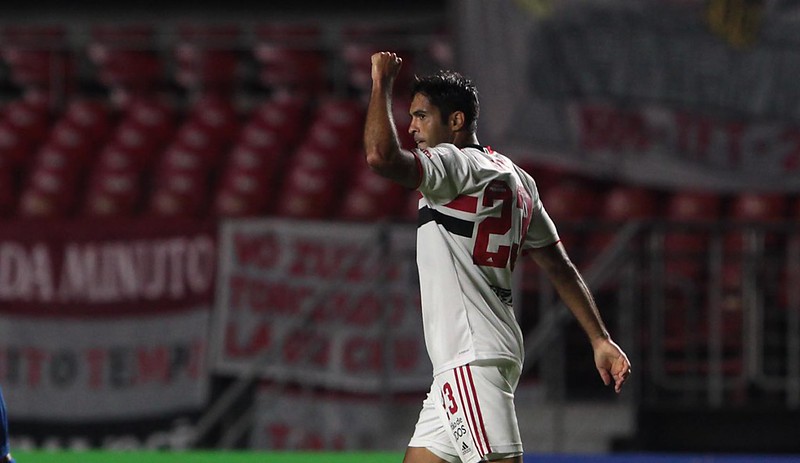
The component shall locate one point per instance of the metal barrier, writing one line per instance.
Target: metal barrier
(710, 313)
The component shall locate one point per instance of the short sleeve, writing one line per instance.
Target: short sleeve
(444, 172)
(542, 231)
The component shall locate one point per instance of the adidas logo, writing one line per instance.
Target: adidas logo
(464, 447)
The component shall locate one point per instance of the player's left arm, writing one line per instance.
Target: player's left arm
(611, 361)
(381, 144)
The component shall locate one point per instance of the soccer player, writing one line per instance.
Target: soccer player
(5, 454)
(477, 213)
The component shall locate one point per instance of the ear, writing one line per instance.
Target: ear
(456, 121)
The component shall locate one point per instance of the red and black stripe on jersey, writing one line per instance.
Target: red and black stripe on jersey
(452, 224)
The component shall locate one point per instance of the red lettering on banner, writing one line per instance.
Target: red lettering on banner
(95, 358)
(365, 311)
(196, 368)
(261, 251)
(406, 354)
(734, 131)
(261, 296)
(319, 259)
(791, 160)
(259, 339)
(306, 347)
(607, 128)
(153, 364)
(362, 354)
(694, 134)
(361, 310)
(237, 285)
(35, 359)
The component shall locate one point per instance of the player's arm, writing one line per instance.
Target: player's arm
(381, 144)
(611, 361)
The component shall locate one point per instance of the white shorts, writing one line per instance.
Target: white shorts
(469, 414)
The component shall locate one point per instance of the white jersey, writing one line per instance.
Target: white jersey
(477, 213)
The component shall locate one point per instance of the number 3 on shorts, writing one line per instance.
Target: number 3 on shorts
(448, 400)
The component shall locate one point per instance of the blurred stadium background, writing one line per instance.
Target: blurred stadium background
(194, 258)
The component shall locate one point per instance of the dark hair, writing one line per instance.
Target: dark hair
(450, 91)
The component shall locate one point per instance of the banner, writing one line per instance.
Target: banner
(665, 93)
(331, 306)
(104, 320)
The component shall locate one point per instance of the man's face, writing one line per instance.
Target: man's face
(426, 123)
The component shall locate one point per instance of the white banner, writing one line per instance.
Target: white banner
(82, 370)
(671, 94)
(105, 320)
(332, 306)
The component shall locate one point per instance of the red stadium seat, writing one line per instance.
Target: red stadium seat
(622, 204)
(360, 42)
(112, 193)
(568, 203)
(283, 116)
(37, 60)
(91, 117)
(244, 191)
(216, 118)
(152, 116)
(53, 184)
(8, 195)
(179, 194)
(685, 247)
(28, 120)
(126, 58)
(207, 58)
(371, 197)
(751, 207)
(15, 150)
(311, 184)
(289, 58)
(137, 144)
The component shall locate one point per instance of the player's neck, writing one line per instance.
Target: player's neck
(463, 139)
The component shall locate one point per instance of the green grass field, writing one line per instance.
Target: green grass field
(204, 457)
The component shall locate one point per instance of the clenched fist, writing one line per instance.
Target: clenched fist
(385, 66)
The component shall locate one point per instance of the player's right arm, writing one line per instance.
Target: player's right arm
(381, 144)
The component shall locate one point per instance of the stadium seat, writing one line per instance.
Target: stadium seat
(751, 207)
(312, 181)
(154, 117)
(215, 118)
(112, 193)
(15, 150)
(248, 185)
(285, 117)
(30, 121)
(207, 58)
(137, 144)
(8, 194)
(360, 42)
(38, 61)
(370, 197)
(179, 194)
(52, 185)
(685, 247)
(91, 117)
(126, 60)
(622, 204)
(569, 203)
(289, 59)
